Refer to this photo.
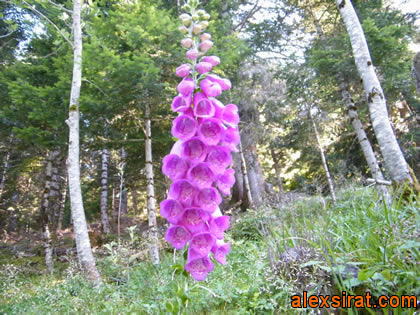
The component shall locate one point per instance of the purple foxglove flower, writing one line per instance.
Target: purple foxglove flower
(178, 236)
(220, 250)
(226, 181)
(194, 150)
(201, 175)
(186, 86)
(232, 138)
(210, 131)
(202, 243)
(210, 88)
(187, 42)
(195, 220)
(208, 199)
(192, 54)
(205, 36)
(183, 191)
(174, 167)
(203, 67)
(184, 127)
(171, 210)
(203, 107)
(206, 45)
(230, 115)
(181, 103)
(218, 107)
(199, 267)
(177, 148)
(219, 225)
(183, 70)
(214, 60)
(224, 83)
(219, 158)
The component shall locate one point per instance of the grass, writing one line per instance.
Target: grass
(359, 233)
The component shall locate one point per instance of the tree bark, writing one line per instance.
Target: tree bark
(104, 193)
(324, 160)
(151, 202)
(364, 142)
(395, 162)
(62, 202)
(84, 250)
(4, 172)
(247, 188)
(279, 181)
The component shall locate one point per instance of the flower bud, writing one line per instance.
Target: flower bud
(206, 45)
(186, 22)
(214, 60)
(201, 12)
(187, 42)
(205, 36)
(183, 70)
(192, 54)
(204, 24)
(183, 29)
(196, 29)
(206, 16)
(185, 16)
(203, 67)
(195, 17)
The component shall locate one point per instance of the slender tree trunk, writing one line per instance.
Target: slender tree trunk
(151, 202)
(324, 160)
(394, 159)
(247, 188)
(135, 200)
(364, 142)
(4, 172)
(276, 170)
(62, 203)
(84, 250)
(121, 194)
(104, 194)
(54, 197)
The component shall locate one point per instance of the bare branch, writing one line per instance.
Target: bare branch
(3, 36)
(59, 6)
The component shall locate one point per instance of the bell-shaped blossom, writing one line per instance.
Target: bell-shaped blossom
(220, 250)
(210, 131)
(201, 175)
(203, 107)
(205, 36)
(181, 103)
(183, 191)
(219, 158)
(192, 54)
(187, 42)
(184, 127)
(214, 60)
(226, 181)
(219, 225)
(194, 150)
(202, 243)
(230, 115)
(183, 70)
(194, 219)
(210, 88)
(186, 86)
(174, 167)
(232, 138)
(208, 199)
(171, 210)
(203, 67)
(197, 266)
(177, 148)
(178, 236)
(225, 84)
(218, 108)
(206, 45)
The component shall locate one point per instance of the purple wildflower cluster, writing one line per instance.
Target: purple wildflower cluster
(199, 161)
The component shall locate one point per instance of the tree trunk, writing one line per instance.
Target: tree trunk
(4, 172)
(394, 159)
(324, 160)
(245, 178)
(279, 181)
(135, 201)
(151, 202)
(84, 250)
(104, 194)
(364, 142)
(62, 202)
(54, 197)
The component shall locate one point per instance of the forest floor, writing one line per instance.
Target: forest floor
(278, 250)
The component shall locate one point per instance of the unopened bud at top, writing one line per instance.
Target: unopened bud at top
(201, 12)
(187, 42)
(204, 24)
(195, 17)
(183, 29)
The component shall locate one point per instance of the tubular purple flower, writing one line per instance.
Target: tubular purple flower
(219, 225)
(206, 45)
(210, 88)
(201, 175)
(210, 131)
(226, 181)
(187, 42)
(183, 70)
(177, 148)
(192, 54)
(203, 67)
(219, 158)
(174, 167)
(203, 107)
(198, 267)
(183, 191)
(194, 150)
(208, 199)
(178, 236)
(214, 60)
(184, 127)
(171, 210)
(224, 83)
(232, 138)
(194, 220)
(220, 250)
(186, 86)
(219, 107)
(202, 243)
(230, 115)
(181, 103)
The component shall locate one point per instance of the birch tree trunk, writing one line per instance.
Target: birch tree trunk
(45, 214)
(104, 193)
(62, 202)
(394, 159)
(4, 172)
(84, 250)
(324, 160)
(364, 142)
(151, 202)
